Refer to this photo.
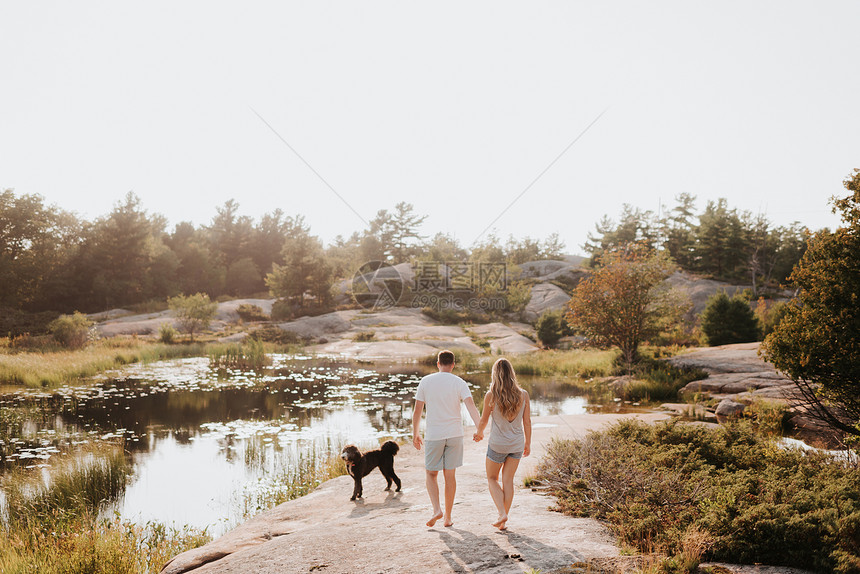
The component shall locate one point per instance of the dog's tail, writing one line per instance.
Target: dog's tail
(390, 447)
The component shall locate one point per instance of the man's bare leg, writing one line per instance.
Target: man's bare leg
(433, 491)
(450, 491)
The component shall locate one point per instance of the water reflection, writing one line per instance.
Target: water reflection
(197, 437)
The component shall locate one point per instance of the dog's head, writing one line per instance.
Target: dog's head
(350, 455)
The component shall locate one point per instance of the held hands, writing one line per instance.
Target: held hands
(478, 437)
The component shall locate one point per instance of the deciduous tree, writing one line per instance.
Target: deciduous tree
(192, 312)
(626, 301)
(817, 342)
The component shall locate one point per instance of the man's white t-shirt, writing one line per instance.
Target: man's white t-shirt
(441, 394)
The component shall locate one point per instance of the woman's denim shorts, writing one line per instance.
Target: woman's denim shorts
(500, 458)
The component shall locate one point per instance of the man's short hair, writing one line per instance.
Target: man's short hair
(446, 358)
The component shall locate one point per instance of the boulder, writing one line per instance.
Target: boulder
(313, 327)
(544, 296)
(729, 408)
(566, 272)
(700, 290)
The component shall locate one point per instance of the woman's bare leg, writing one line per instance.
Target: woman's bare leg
(496, 492)
(509, 468)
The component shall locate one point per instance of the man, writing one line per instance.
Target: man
(442, 392)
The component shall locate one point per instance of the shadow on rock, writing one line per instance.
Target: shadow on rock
(533, 551)
(471, 553)
(362, 508)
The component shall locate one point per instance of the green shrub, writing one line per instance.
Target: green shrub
(770, 417)
(769, 316)
(729, 320)
(751, 500)
(364, 336)
(282, 310)
(549, 327)
(517, 296)
(71, 331)
(167, 333)
(273, 334)
(251, 313)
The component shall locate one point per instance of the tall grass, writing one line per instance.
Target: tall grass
(585, 363)
(87, 545)
(292, 475)
(463, 362)
(50, 523)
(54, 368)
(250, 354)
(658, 381)
(75, 487)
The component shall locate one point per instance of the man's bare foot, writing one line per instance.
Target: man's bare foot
(500, 523)
(449, 523)
(433, 520)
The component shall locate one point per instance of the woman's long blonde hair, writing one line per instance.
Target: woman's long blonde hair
(504, 389)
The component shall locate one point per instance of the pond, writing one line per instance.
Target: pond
(201, 440)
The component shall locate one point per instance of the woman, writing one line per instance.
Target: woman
(510, 435)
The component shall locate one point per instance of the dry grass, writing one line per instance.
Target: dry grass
(54, 368)
(583, 363)
(50, 524)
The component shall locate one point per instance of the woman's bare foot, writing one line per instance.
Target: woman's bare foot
(449, 523)
(500, 523)
(433, 520)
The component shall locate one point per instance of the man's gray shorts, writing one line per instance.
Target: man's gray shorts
(443, 454)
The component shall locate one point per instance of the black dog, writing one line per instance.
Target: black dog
(358, 466)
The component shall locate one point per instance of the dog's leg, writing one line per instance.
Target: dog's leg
(356, 491)
(388, 473)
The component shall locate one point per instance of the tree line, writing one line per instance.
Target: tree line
(720, 242)
(53, 260)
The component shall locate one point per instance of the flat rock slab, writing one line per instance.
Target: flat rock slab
(330, 323)
(386, 531)
(738, 358)
(395, 316)
(393, 349)
(504, 338)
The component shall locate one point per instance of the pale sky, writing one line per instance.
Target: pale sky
(455, 107)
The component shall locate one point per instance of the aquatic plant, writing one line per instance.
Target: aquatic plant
(292, 476)
(76, 487)
(248, 355)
